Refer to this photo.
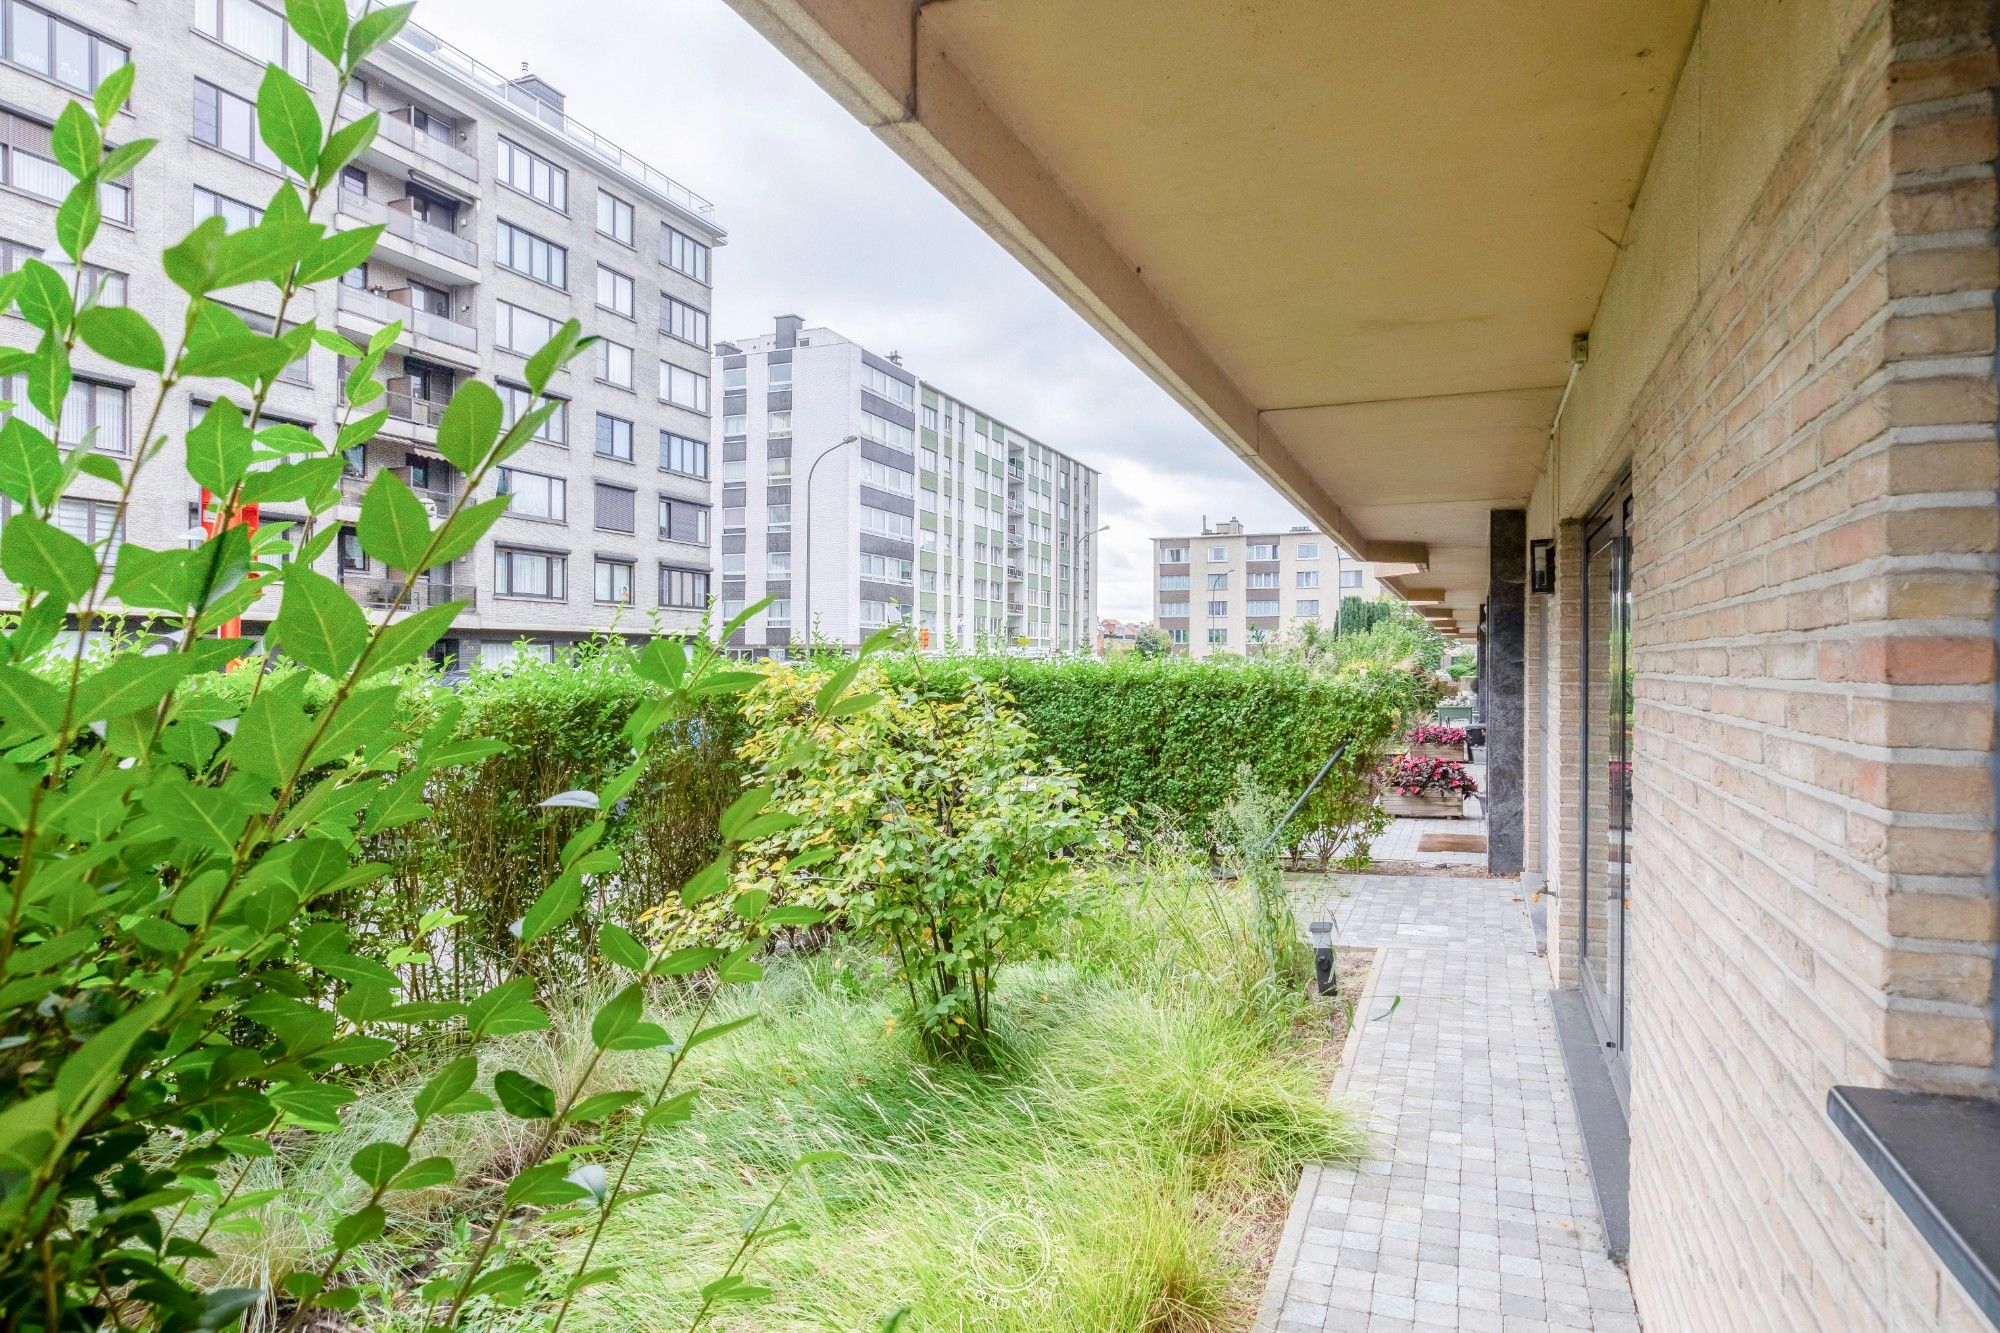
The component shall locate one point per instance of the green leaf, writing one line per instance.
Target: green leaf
(395, 525)
(522, 1097)
(553, 906)
(31, 467)
(49, 377)
(37, 554)
(287, 120)
(553, 355)
(74, 141)
(318, 624)
(78, 217)
(470, 425)
(410, 637)
(263, 253)
(543, 1187)
(618, 1015)
(620, 946)
(121, 334)
(375, 29)
(87, 1074)
(149, 580)
(219, 448)
(464, 529)
(339, 253)
(191, 263)
(346, 143)
(45, 299)
(130, 683)
(114, 92)
(323, 25)
(379, 1163)
(445, 1087)
(358, 1228)
(425, 1174)
(244, 357)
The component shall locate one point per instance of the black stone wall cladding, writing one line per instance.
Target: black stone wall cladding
(735, 493)
(888, 455)
(777, 541)
(777, 587)
(778, 494)
(736, 400)
(733, 362)
(781, 447)
(887, 410)
(735, 450)
(895, 504)
(780, 401)
(887, 367)
(780, 357)
(874, 545)
(735, 542)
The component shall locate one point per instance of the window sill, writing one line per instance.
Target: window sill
(1938, 1156)
(530, 597)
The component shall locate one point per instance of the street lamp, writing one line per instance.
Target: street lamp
(805, 513)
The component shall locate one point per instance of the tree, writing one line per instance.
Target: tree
(1152, 641)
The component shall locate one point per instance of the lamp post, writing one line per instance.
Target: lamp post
(805, 513)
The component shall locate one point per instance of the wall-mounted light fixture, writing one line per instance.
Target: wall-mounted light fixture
(1542, 565)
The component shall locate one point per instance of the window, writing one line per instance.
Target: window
(778, 467)
(92, 406)
(28, 163)
(535, 495)
(683, 253)
(1173, 583)
(518, 329)
(1350, 578)
(683, 387)
(733, 564)
(517, 399)
(74, 57)
(884, 431)
(780, 375)
(521, 573)
(1169, 610)
(735, 423)
(778, 516)
(91, 521)
(885, 568)
(885, 385)
(884, 523)
(492, 654)
(1178, 636)
(1308, 578)
(876, 614)
(235, 214)
(1263, 551)
(615, 291)
(224, 120)
(1173, 555)
(885, 478)
(1261, 578)
(1308, 550)
(732, 518)
(930, 418)
(680, 320)
(928, 456)
(614, 582)
(614, 437)
(614, 217)
(683, 587)
(101, 286)
(1218, 637)
(534, 175)
(1218, 582)
(1218, 555)
(683, 454)
(1266, 606)
(778, 564)
(1218, 608)
(683, 520)
(734, 377)
(1308, 606)
(531, 256)
(735, 469)
(254, 30)
(779, 614)
(616, 508)
(614, 363)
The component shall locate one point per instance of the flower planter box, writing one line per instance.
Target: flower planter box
(1428, 806)
(1438, 751)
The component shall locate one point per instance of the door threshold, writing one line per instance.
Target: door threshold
(1600, 1115)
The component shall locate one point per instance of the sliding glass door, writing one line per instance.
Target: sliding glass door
(1606, 788)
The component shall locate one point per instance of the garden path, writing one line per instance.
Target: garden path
(1474, 1211)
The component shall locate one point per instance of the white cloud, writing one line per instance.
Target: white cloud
(826, 222)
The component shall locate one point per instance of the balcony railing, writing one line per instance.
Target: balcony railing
(405, 135)
(354, 485)
(417, 411)
(383, 310)
(380, 594)
(401, 224)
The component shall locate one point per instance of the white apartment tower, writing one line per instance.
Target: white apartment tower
(503, 215)
(855, 495)
(1232, 591)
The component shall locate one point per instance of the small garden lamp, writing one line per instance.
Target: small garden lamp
(1321, 934)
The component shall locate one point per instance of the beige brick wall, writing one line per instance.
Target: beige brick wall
(1814, 466)
(1564, 609)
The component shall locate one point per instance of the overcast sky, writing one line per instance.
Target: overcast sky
(825, 222)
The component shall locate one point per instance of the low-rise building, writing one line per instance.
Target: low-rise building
(1229, 590)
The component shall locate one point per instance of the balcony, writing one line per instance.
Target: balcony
(424, 332)
(401, 148)
(430, 252)
(354, 485)
(375, 593)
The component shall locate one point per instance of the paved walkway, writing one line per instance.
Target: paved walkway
(1399, 842)
(1475, 1210)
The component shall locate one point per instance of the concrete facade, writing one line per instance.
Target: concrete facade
(903, 503)
(473, 260)
(1229, 590)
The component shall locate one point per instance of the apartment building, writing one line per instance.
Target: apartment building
(1232, 591)
(856, 495)
(503, 216)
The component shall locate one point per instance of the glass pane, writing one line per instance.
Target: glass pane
(1606, 778)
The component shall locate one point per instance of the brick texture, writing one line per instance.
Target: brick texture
(1814, 467)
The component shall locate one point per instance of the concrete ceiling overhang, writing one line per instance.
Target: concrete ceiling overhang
(1354, 238)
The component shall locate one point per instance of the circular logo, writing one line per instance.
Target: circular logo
(1010, 1254)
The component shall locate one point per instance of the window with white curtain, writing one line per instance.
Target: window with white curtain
(94, 411)
(256, 30)
(683, 387)
(522, 573)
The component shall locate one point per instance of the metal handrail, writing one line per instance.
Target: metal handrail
(405, 226)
